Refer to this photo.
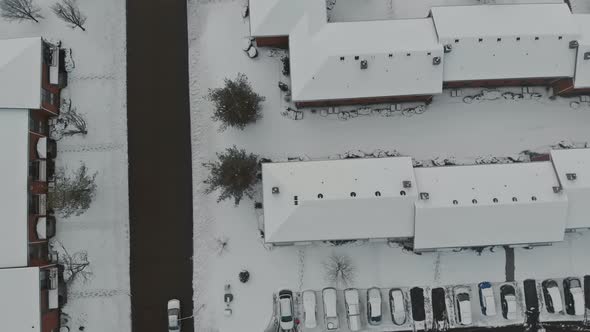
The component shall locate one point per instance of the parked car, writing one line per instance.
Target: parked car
(463, 305)
(397, 304)
(552, 296)
(309, 309)
(286, 310)
(417, 300)
(508, 301)
(353, 309)
(574, 296)
(374, 306)
(486, 299)
(173, 315)
(330, 313)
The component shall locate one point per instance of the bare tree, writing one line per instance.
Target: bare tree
(76, 265)
(69, 11)
(72, 195)
(339, 269)
(20, 10)
(69, 122)
(222, 243)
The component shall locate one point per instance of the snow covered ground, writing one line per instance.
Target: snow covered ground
(448, 128)
(97, 87)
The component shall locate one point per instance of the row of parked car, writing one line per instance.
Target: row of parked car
(400, 312)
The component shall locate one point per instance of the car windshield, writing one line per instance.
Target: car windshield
(286, 319)
(463, 297)
(575, 283)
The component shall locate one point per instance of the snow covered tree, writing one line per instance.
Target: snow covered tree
(236, 104)
(20, 10)
(339, 269)
(235, 173)
(69, 122)
(69, 11)
(72, 195)
(76, 265)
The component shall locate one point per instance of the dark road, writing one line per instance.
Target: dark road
(160, 180)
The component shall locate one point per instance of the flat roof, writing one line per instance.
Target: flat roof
(20, 73)
(279, 17)
(338, 200)
(582, 79)
(326, 63)
(14, 144)
(484, 205)
(20, 303)
(507, 41)
(577, 162)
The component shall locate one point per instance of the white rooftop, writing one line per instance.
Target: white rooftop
(575, 161)
(20, 73)
(582, 79)
(278, 17)
(514, 204)
(14, 142)
(315, 200)
(326, 64)
(507, 41)
(20, 303)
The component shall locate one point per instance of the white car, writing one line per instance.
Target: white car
(486, 299)
(173, 315)
(508, 301)
(286, 310)
(574, 296)
(353, 310)
(330, 312)
(463, 305)
(397, 303)
(309, 309)
(552, 296)
(374, 306)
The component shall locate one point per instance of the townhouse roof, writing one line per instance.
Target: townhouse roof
(336, 200)
(483, 205)
(20, 73)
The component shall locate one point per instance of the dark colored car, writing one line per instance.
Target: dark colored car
(417, 297)
(508, 301)
(530, 295)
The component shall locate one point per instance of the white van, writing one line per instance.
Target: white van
(330, 313)
(309, 309)
(353, 310)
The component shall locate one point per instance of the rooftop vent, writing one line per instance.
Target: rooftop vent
(571, 176)
(448, 48)
(574, 44)
(424, 196)
(557, 189)
(275, 190)
(436, 60)
(407, 184)
(364, 64)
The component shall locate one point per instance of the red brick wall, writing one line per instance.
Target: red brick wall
(39, 261)
(277, 41)
(565, 88)
(361, 101)
(503, 82)
(54, 109)
(50, 321)
(33, 139)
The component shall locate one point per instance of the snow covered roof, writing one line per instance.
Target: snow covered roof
(326, 64)
(20, 73)
(20, 303)
(506, 41)
(278, 17)
(485, 205)
(338, 200)
(582, 79)
(14, 140)
(576, 163)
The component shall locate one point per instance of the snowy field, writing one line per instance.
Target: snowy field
(448, 128)
(97, 87)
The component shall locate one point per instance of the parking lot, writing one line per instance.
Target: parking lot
(447, 312)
